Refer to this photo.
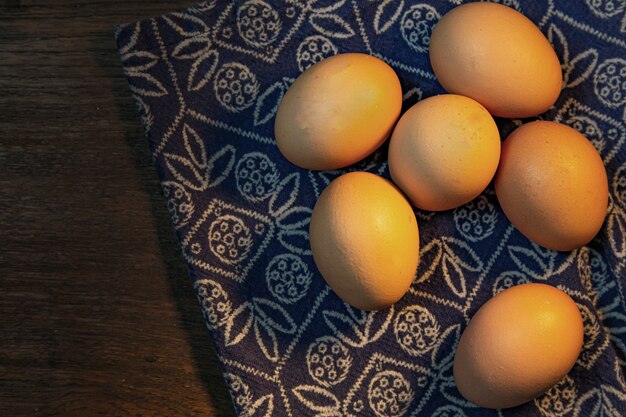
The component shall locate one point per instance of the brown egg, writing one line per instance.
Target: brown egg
(552, 185)
(498, 57)
(338, 111)
(518, 344)
(444, 151)
(365, 240)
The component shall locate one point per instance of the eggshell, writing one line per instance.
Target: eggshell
(552, 185)
(338, 111)
(365, 240)
(444, 151)
(498, 57)
(518, 344)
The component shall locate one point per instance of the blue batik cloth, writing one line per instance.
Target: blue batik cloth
(208, 80)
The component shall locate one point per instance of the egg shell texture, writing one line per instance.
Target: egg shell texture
(444, 151)
(552, 185)
(365, 240)
(338, 111)
(518, 344)
(498, 57)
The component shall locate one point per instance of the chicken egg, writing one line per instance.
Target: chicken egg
(518, 344)
(338, 111)
(365, 240)
(444, 151)
(552, 185)
(498, 57)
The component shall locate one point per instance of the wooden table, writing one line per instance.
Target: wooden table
(97, 314)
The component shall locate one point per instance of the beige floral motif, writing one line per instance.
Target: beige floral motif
(313, 49)
(416, 330)
(389, 394)
(236, 87)
(609, 82)
(288, 278)
(178, 202)
(558, 400)
(230, 239)
(417, 24)
(216, 306)
(256, 176)
(328, 361)
(476, 220)
(258, 23)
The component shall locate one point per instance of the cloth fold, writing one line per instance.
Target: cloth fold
(207, 82)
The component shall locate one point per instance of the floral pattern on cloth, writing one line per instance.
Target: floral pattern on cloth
(207, 82)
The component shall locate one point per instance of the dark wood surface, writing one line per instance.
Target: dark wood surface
(97, 314)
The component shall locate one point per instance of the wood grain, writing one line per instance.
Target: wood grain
(97, 315)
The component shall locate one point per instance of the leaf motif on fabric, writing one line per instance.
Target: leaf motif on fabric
(131, 41)
(606, 401)
(202, 70)
(529, 262)
(454, 276)
(192, 48)
(326, 6)
(147, 117)
(186, 172)
(238, 324)
(268, 102)
(559, 43)
(186, 24)
(443, 352)
(316, 398)
(297, 241)
(146, 85)
(580, 68)
(294, 218)
(589, 404)
(221, 162)
(266, 339)
(139, 61)
(386, 15)
(359, 316)
(285, 195)
(274, 315)
(331, 25)
(358, 330)
(194, 147)
(465, 256)
(434, 250)
(376, 328)
(344, 327)
(262, 407)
